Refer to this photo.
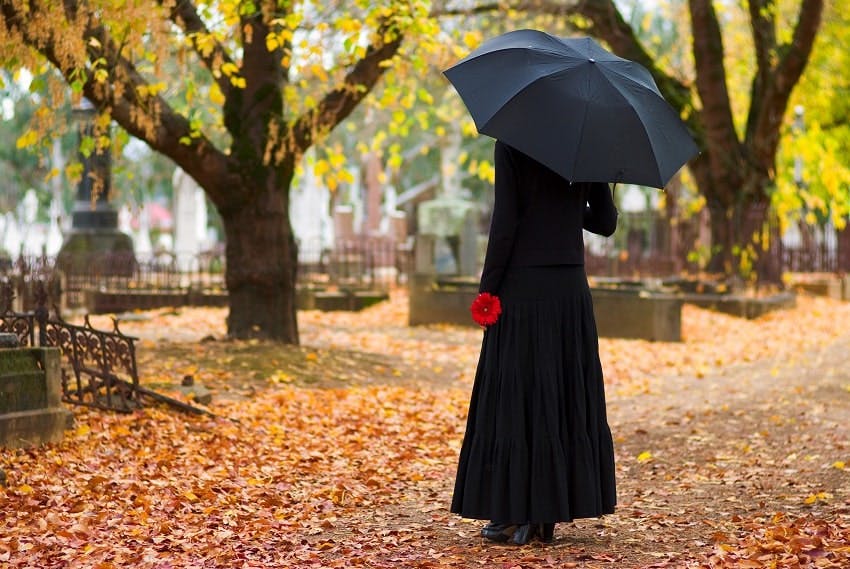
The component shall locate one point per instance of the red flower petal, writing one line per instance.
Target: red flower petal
(486, 309)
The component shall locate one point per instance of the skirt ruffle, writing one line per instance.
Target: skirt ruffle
(537, 446)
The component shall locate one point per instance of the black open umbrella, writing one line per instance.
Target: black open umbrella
(582, 111)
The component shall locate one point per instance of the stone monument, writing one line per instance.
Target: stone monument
(31, 411)
(311, 220)
(190, 215)
(446, 250)
(94, 223)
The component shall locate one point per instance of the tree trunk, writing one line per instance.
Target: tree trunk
(262, 261)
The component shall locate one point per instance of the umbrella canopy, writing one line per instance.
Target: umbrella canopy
(579, 109)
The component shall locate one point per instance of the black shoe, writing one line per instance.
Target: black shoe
(524, 533)
(498, 532)
(547, 533)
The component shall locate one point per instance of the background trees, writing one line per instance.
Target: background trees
(234, 92)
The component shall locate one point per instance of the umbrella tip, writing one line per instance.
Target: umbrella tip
(592, 60)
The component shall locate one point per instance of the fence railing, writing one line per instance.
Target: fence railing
(98, 367)
(646, 244)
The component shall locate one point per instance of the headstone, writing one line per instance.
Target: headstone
(54, 232)
(12, 236)
(187, 241)
(125, 219)
(311, 220)
(201, 218)
(373, 189)
(29, 208)
(398, 226)
(344, 222)
(142, 237)
(453, 226)
(94, 222)
(31, 412)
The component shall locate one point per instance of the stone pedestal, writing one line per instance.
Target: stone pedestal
(436, 302)
(637, 314)
(31, 411)
(94, 242)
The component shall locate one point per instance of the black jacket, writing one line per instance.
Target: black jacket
(538, 217)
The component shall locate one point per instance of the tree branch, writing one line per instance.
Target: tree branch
(145, 116)
(763, 26)
(720, 133)
(184, 15)
(786, 74)
(338, 103)
(264, 77)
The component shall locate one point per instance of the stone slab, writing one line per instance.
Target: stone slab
(740, 305)
(33, 428)
(637, 315)
(433, 304)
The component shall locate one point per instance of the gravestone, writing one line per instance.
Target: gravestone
(310, 215)
(31, 411)
(455, 221)
(12, 239)
(187, 242)
(94, 230)
(53, 241)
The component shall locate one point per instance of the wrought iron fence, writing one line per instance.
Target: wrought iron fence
(365, 262)
(98, 366)
(648, 244)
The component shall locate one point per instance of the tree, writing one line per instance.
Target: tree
(735, 171)
(279, 75)
(814, 181)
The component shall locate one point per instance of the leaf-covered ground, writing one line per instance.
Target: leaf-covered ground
(732, 451)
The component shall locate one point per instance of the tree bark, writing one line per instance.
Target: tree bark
(262, 259)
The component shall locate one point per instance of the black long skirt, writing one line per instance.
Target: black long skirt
(537, 446)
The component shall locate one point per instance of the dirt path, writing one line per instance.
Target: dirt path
(758, 440)
(702, 464)
(738, 465)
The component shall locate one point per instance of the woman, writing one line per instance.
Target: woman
(537, 448)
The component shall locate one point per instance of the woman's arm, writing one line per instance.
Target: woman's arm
(503, 222)
(600, 215)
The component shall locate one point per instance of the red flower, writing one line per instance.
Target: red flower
(485, 309)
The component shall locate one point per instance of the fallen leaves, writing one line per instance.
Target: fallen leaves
(344, 454)
(783, 542)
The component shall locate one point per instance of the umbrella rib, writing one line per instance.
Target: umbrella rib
(634, 110)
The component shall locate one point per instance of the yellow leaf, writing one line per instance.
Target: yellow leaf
(216, 96)
(82, 430)
(25, 489)
(321, 167)
(839, 464)
(272, 43)
(29, 138)
(645, 456)
(229, 69)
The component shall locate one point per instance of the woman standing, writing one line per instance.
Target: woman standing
(537, 448)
